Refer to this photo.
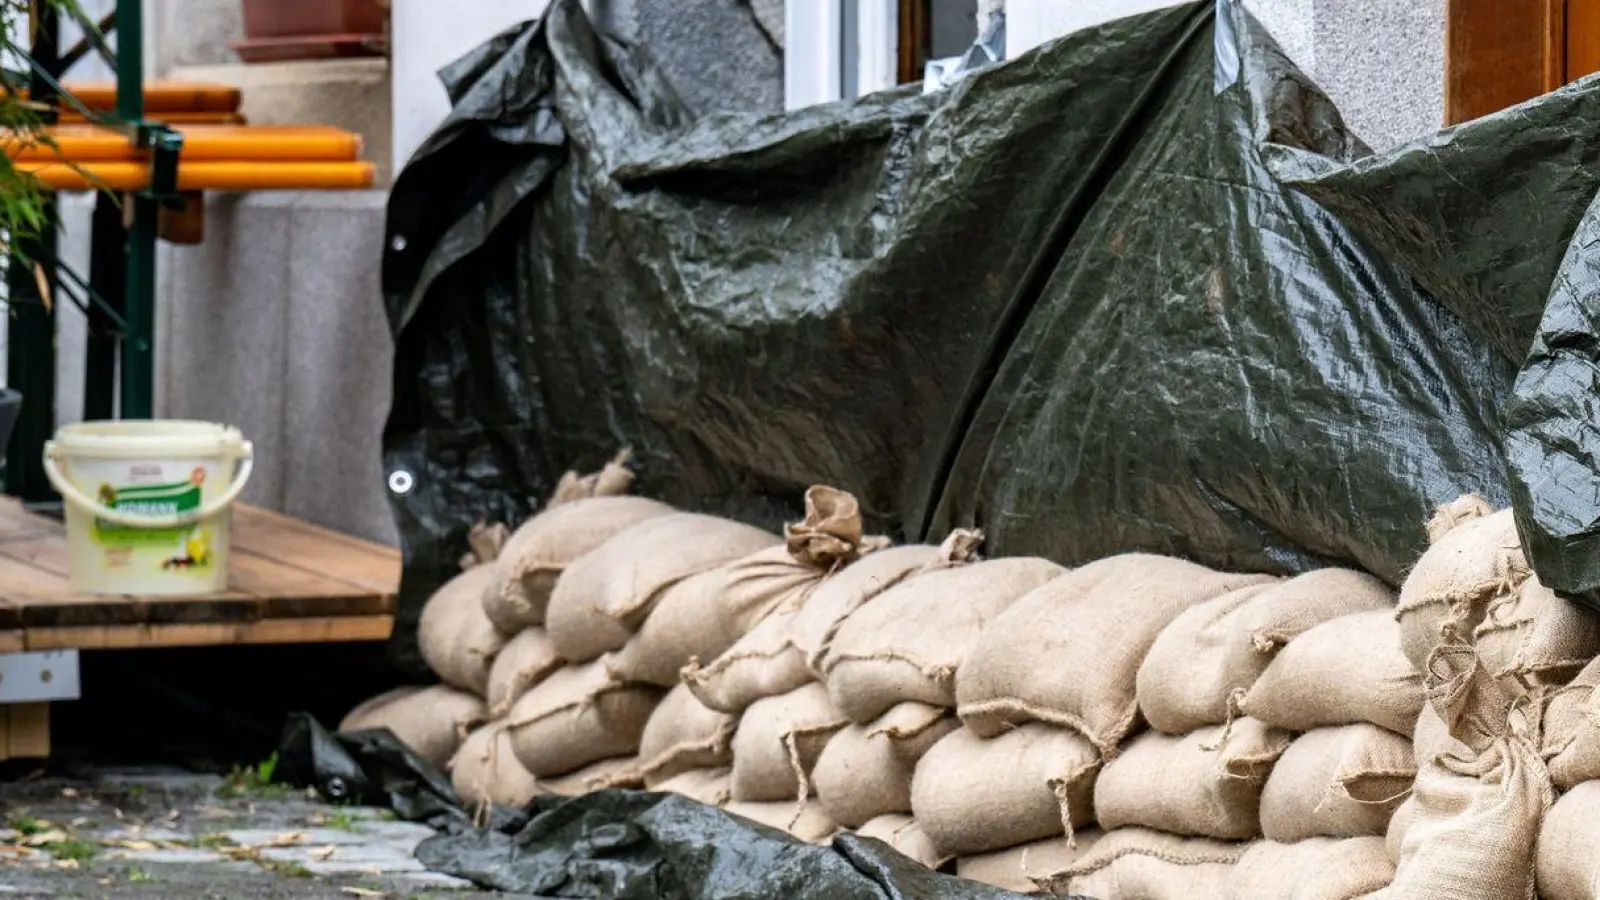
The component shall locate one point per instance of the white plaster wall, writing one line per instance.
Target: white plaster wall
(427, 35)
(1382, 61)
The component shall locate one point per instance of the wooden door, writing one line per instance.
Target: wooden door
(1499, 53)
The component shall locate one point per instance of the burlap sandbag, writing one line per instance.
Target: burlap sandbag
(713, 787)
(523, 662)
(1535, 636)
(1398, 823)
(776, 586)
(834, 600)
(973, 795)
(1475, 827)
(578, 716)
(1477, 813)
(1566, 866)
(361, 715)
(485, 770)
(1312, 869)
(1474, 558)
(1018, 868)
(431, 721)
(1571, 741)
(865, 770)
(599, 601)
(617, 772)
(1220, 646)
(808, 823)
(690, 622)
(1140, 864)
(1341, 781)
(456, 639)
(904, 834)
(541, 549)
(763, 663)
(909, 641)
(1069, 652)
(683, 734)
(1206, 783)
(1347, 670)
(778, 742)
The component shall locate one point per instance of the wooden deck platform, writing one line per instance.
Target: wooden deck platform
(290, 582)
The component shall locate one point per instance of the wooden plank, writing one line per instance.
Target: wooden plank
(28, 736)
(312, 630)
(11, 641)
(17, 523)
(316, 549)
(49, 554)
(1499, 53)
(286, 591)
(23, 586)
(1582, 39)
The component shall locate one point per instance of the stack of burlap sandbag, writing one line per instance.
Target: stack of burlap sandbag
(1510, 670)
(460, 646)
(1046, 694)
(797, 752)
(1093, 657)
(1140, 727)
(482, 633)
(890, 669)
(748, 724)
(594, 579)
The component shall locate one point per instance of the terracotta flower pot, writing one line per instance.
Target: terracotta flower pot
(313, 29)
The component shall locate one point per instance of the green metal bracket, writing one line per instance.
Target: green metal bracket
(165, 145)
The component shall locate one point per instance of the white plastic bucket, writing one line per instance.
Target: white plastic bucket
(149, 504)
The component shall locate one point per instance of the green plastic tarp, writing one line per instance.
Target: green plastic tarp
(1137, 289)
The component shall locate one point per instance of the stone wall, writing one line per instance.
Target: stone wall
(1382, 61)
(721, 55)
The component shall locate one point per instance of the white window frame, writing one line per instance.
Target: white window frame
(813, 53)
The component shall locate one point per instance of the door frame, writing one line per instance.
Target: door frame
(814, 52)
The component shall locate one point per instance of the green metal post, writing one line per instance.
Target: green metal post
(138, 351)
(108, 265)
(31, 337)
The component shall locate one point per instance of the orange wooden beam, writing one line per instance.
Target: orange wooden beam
(162, 96)
(207, 176)
(232, 143)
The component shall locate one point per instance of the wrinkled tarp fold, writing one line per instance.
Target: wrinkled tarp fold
(607, 845)
(1138, 289)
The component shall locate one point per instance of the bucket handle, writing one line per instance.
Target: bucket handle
(72, 494)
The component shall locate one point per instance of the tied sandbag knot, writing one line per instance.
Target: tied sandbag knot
(961, 546)
(944, 673)
(486, 542)
(1461, 510)
(830, 535)
(614, 479)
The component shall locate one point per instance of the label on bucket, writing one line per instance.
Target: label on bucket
(164, 549)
